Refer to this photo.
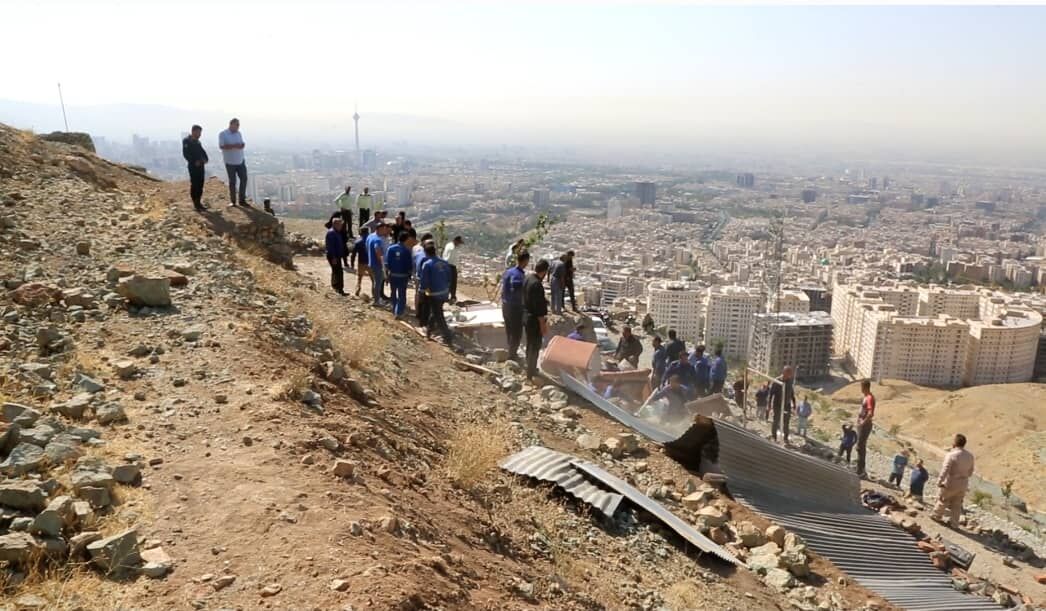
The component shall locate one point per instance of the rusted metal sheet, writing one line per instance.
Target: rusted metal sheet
(684, 530)
(555, 467)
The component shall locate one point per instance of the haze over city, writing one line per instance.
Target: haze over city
(657, 78)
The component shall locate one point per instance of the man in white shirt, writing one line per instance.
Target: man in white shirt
(450, 255)
(230, 142)
(363, 206)
(344, 202)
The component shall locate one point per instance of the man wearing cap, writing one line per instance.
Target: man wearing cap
(336, 253)
(230, 141)
(450, 255)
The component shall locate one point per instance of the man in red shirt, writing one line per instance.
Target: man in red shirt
(864, 426)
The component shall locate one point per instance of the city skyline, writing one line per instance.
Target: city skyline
(657, 77)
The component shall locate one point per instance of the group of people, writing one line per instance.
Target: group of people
(393, 254)
(698, 374)
(560, 274)
(776, 402)
(231, 144)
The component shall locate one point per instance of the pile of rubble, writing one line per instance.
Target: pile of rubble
(55, 497)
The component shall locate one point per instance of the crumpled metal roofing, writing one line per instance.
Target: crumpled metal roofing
(551, 466)
(579, 478)
(819, 501)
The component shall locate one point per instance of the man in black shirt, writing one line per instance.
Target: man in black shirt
(535, 309)
(674, 347)
(782, 402)
(569, 279)
(196, 157)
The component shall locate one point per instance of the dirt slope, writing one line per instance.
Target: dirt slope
(1005, 425)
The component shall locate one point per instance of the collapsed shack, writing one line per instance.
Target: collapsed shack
(817, 500)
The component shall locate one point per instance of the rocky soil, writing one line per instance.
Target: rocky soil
(188, 422)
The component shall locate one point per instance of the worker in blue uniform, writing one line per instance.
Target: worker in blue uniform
(400, 265)
(435, 282)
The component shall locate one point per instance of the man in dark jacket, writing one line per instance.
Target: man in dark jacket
(336, 253)
(196, 157)
(360, 260)
(569, 278)
(628, 348)
(674, 347)
(535, 311)
(782, 403)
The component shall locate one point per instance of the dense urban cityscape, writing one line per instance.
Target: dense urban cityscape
(925, 273)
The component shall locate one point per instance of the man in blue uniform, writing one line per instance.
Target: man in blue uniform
(336, 253)
(512, 302)
(703, 369)
(658, 363)
(400, 266)
(683, 370)
(376, 258)
(718, 371)
(435, 282)
(674, 347)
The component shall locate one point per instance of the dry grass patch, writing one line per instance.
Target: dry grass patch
(684, 595)
(474, 451)
(82, 361)
(65, 586)
(291, 388)
(359, 344)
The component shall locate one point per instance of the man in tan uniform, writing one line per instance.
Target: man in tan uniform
(953, 482)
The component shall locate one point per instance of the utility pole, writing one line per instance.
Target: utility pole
(62, 102)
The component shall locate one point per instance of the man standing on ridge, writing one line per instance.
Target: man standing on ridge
(230, 141)
(703, 369)
(864, 426)
(568, 279)
(782, 402)
(376, 258)
(363, 205)
(421, 302)
(344, 204)
(512, 302)
(535, 311)
(953, 482)
(674, 347)
(450, 255)
(400, 265)
(336, 253)
(196, 157)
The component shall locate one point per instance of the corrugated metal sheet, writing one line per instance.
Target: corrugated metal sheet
(640, 426)
(670, 520)
(819, 501)
(555, 467)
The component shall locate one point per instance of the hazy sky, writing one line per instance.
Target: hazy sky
(650, 73)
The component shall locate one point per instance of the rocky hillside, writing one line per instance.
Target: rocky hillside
(189, 422)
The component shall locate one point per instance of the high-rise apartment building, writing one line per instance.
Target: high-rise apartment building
(646, 192)
(802, 340)
(677, 305)
(746, 180)
(936, 336)
(789, 301)
(728, 318)
(1003, 348)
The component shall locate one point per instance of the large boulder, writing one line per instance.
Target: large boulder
(24, 458)
(141, 290)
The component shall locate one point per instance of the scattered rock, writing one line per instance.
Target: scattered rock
(36, 294)
(126, 370)
(115, 554)
(696, 500)
(83, 248)
(22, 495)
(588, 441)
(223, 582)
(24, 458)
(343, 468)
(17, 547)
(339, 585)
(711, 516)
(779, 579)
(776, 534)
(749, 535)
(110, 413)
(271, 590)
(148, 291)
(129, 474)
